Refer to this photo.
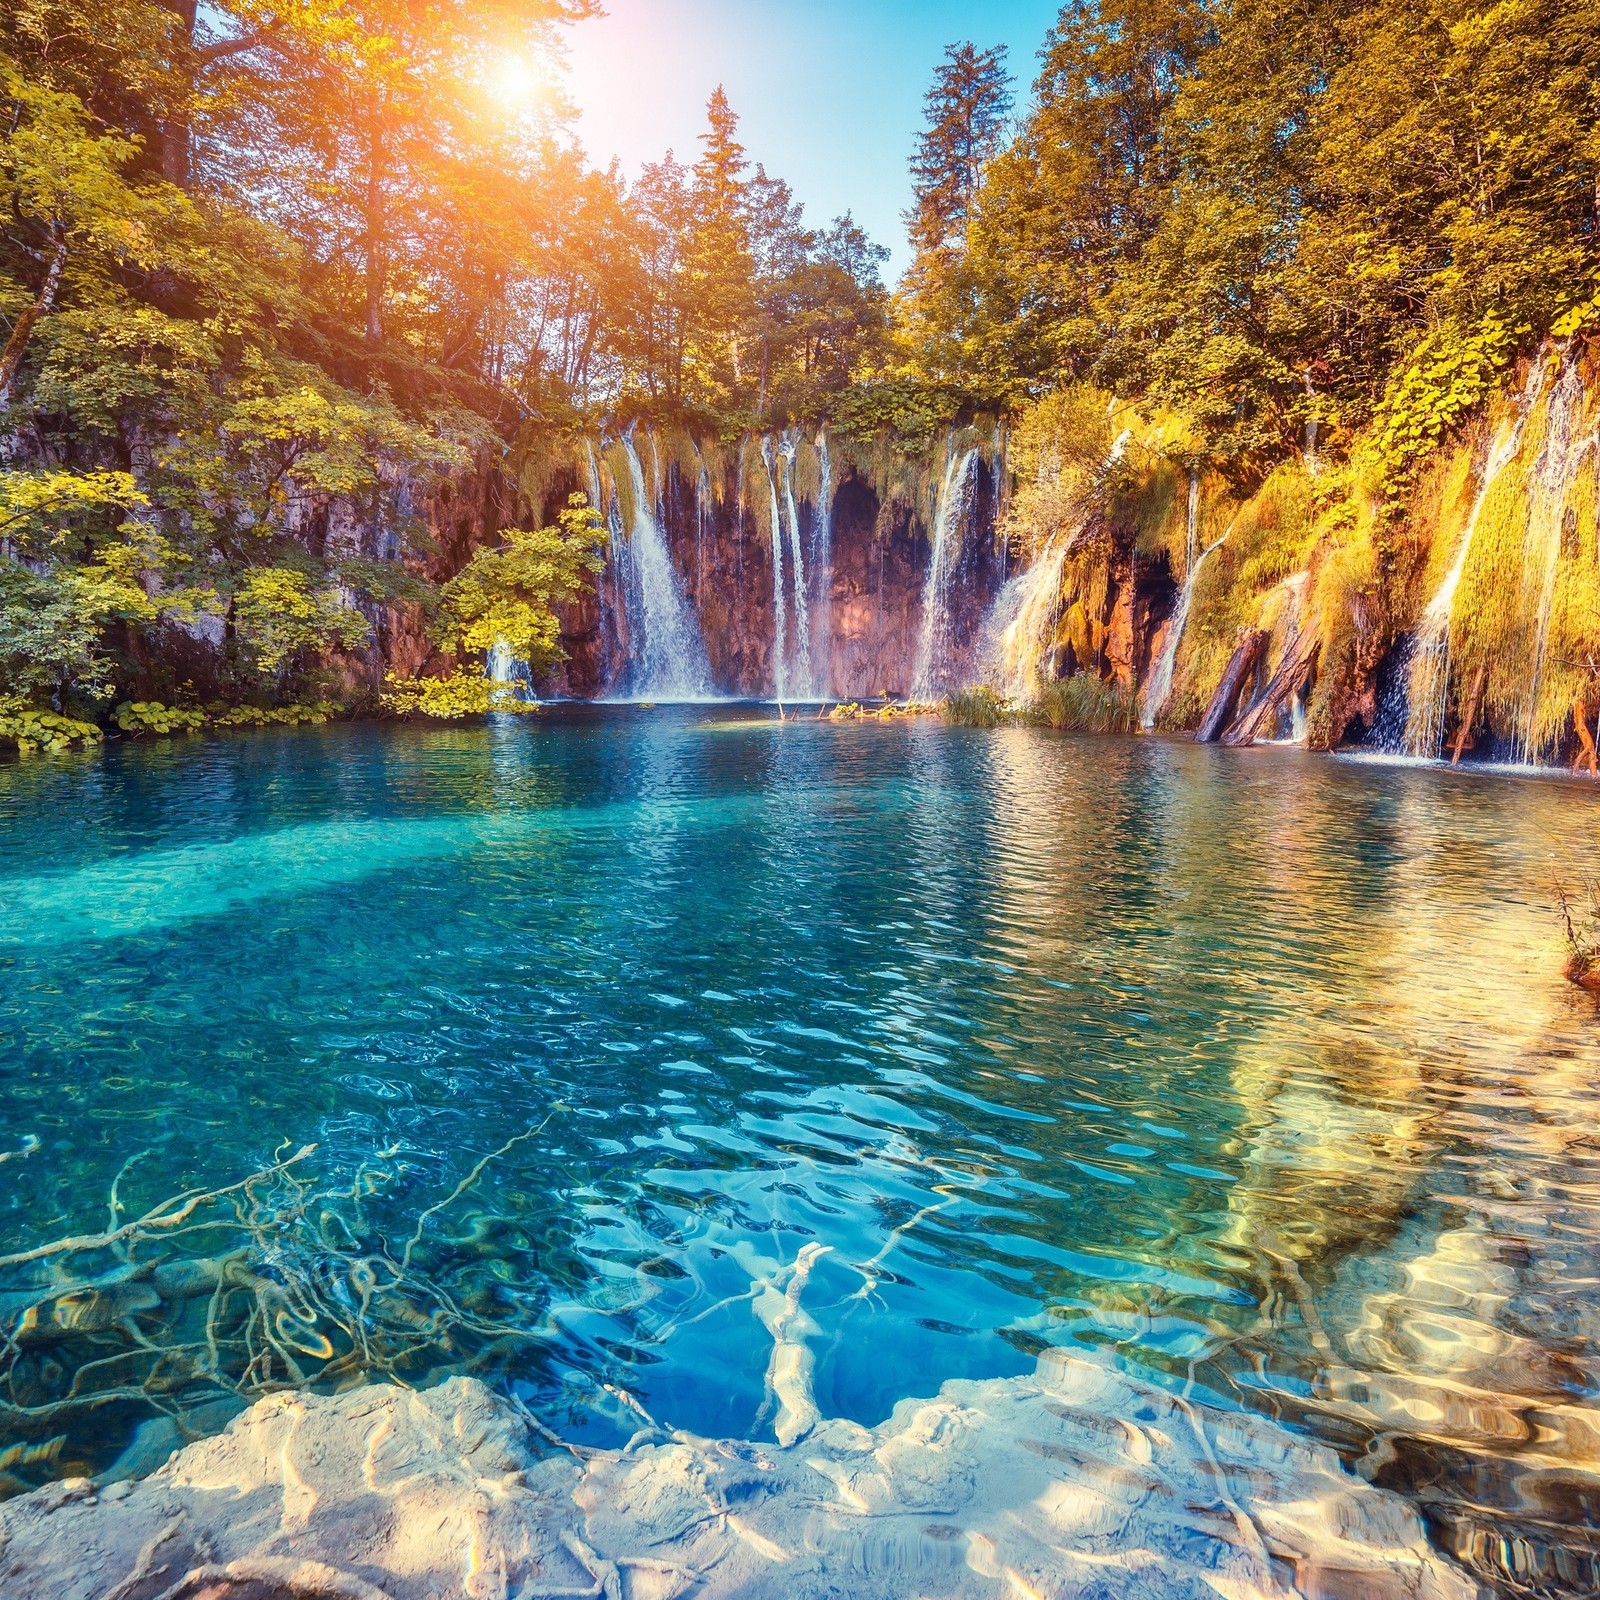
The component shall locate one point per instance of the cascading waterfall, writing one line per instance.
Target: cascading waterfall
(804, 686)
(702, 511)
(1427, 668)
(1159, 690)
(780, 597)
(1547, 484)
(933, 644)
(619, 561)
(666, 654)
(822, 571)
(1022, 622)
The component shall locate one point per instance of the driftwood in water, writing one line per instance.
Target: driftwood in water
(1299, 660)
(1240, 665)
(1588, 756)
(1469, 720)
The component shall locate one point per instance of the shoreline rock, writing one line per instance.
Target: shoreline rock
(1076, 1481)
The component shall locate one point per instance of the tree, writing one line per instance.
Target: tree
(719, 267)
(966, 114)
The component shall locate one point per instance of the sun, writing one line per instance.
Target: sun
(516, 81)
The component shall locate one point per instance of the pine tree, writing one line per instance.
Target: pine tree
(967, 112)
(719, 265)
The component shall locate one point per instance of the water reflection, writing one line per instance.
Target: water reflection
(1253, 1070)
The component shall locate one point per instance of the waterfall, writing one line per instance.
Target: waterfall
(1548, 479)
(702, 511)
(822, 572)
(666, 655)
(780, 598)
(933, 645)
(1159, 690)
(1427, 669)
(614, 611)
(1022, 622)
(804, 687)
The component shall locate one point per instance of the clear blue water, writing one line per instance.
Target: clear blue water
(1251, 1069)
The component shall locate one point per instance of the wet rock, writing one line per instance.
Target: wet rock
(1075, 1481)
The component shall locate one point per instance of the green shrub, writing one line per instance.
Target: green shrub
(141, 717)
(275, 716)
(29, 729)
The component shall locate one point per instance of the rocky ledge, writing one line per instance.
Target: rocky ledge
(1075, 1481)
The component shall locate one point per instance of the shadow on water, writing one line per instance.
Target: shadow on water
(1250, 1070)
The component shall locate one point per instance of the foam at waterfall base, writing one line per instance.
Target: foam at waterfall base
(1078, 1480)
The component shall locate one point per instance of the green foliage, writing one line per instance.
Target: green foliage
(462, 694)
(29, 729)
(1444, 381)
(909, 411)
(280, 614)
(144, 717)
(981, 707)
(509, 596)
(39, 504)
(295, 716)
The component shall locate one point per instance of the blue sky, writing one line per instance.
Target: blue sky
(829, 91)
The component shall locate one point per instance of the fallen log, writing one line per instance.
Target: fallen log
(1240, 665)
(1299, 661)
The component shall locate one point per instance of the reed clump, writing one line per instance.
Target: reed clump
(1082, 703)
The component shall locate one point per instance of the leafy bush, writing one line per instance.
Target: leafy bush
(29, 729)
(275, 716)
(464, 693)
(1448, 377)
(140, 717)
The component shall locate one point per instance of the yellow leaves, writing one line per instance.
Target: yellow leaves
(464, 693)
(33, 502)
(510, 595)
(279, 612)
(30, 729)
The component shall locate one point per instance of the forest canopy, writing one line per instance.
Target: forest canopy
(273, 276)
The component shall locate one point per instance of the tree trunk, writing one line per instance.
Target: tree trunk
(175, 130)
(1240, 665)
(1469, 718)
(1299, 661)
(17, 345)
(376, 243)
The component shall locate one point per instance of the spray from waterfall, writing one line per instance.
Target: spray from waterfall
(1022, 623)
(1159, 690)
(933, 663)
(1563, 450)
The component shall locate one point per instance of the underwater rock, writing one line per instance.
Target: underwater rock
(1078, 1480)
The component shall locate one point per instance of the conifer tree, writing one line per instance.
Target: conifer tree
(966, 114)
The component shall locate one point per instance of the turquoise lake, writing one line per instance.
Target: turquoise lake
(1252, 1070)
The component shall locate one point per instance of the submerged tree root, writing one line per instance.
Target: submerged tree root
(270, 1283)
